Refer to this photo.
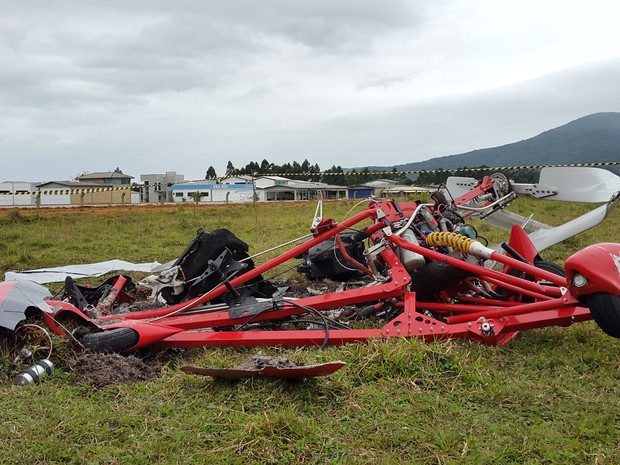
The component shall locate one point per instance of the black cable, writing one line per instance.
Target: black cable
(447, 190)
(472, 227)
(333, 324)
(486, 241)
(268, 309)
(304, 307)
(317, 313)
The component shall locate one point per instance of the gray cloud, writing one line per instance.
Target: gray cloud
(457, 124)
(155, 86)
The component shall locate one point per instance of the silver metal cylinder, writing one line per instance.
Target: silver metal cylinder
(35, 373)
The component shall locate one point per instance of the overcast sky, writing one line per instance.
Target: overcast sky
(154, 86)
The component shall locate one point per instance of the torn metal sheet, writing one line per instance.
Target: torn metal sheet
(270, 371)
(16, 297)
(58, 274)
(581, 184)
(545, 238)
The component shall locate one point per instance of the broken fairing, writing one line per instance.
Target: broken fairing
(17, 297)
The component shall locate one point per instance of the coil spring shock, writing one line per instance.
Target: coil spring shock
(450, 239)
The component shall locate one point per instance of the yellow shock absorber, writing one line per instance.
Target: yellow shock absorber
(450, 239)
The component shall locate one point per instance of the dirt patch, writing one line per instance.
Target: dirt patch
(100, 370)
(260, 361)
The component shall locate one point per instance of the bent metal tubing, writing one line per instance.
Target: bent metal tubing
(221, 289)
(393, 289)
(408, 324)
(506, 322)
(479, 270)
(485, 320)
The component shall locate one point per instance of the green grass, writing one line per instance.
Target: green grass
(550, 396)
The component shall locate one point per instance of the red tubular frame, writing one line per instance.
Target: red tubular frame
(490, 321)
(269, 265)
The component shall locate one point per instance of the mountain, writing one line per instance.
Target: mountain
(592, 138)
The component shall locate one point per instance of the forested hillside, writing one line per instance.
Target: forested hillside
(593, 138)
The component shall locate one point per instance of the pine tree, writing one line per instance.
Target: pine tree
(230, 169)
(211, 174)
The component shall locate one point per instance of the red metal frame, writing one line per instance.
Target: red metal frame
(543, 299)
(482, 187)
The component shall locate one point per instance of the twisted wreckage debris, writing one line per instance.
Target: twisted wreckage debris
(420, 269)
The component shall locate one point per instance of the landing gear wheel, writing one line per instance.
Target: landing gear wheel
(550, 267)
(543, 265)
(605, 309)
(30, 344)
(112, 340)
(501, 184)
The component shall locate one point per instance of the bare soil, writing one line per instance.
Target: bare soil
(101, 370)
(108, 369)
(259, 361)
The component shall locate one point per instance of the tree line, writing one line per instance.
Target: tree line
(337, 176)
(308, 172)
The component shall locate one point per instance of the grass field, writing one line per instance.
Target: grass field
(549, 396)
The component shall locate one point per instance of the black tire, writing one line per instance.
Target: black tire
(550, 267)
(543, 265)
(113, 340)
(435, 277)
(605, 309)
(546, 266)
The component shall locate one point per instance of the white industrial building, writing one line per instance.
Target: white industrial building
(17, 194)
(242, 179)
(210, 192)
(279, 188)
(265, 188)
